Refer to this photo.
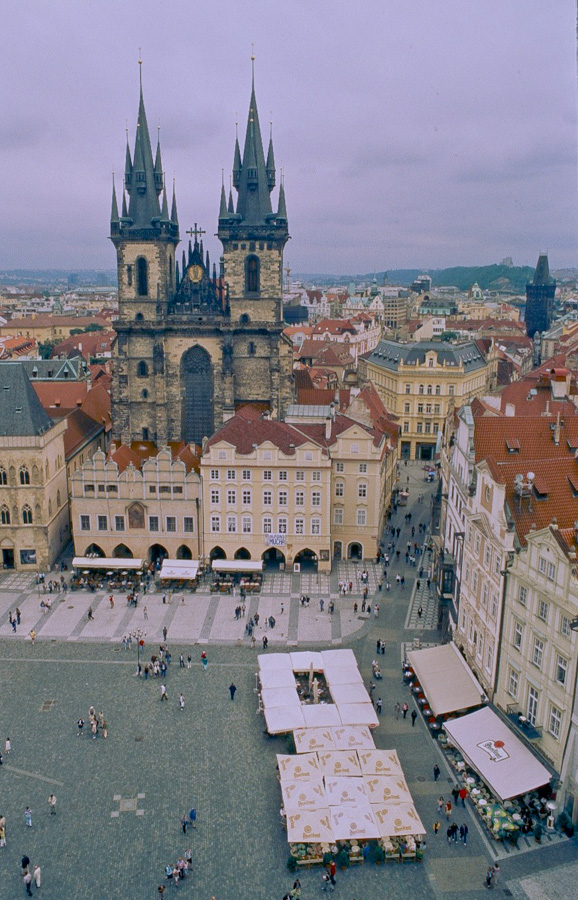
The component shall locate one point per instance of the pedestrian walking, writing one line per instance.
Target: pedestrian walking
(232, 690)
(375, 611)
(404, 710)
(436, 826)
(282, 608)
(464, 830)
(18, 615)
(413, 718)
(436, 772)
(489, 877)
(80, 724)
(33, 636)
(27, 879)
(193, 817)
(165, 632)
(7, 746)
(496, 875)
(448, 809)
(52, 804)
(189, 661)
(378, 706)
(90, 614)
(204, 661)
(182, 702)
(184, 823)
(265, 642)
(181, 661)
(441, 803)
(37, 875)
(164, 692)
(419, 609)
(462, 795)
(145, 613)
(28, 817)
(397, 709)
(111, 601)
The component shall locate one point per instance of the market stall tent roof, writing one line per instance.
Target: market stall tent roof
(334, 674)
(502, 760)
(353, 823)
(384, 789)
(105, 562)
(339, 658)
(343, 791)
(349, 693)
(302, 660)
(298, 768)
(237, 565)
(308, 740)
(184, 569)
(306, 826)
(353, 737)
(277, 678)
(319, 714)
(339, 762)
(446, 678)
(308, 794)
(269, 661)
(394, 819)
(379, 762)
(358, 714)
(280, 720)
(280, 697)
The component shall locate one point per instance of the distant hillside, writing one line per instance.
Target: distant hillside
(495, 277)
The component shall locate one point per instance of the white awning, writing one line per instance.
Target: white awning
(317, 715)
(349, 693)
(342, 791)
(385, 789)
(309, 740)
(309, 826)
(237, 565)
(269, 662)
(338, 762)
(379, 762)
(304, 659)
(502, 760)
(298, 768)
(283, 719)
(353, 822)
(395, 819)
(353, 737)
(179, 569)
(446, 679)
(358, 714)
(103, 562)
(277, 698)
(308, 794)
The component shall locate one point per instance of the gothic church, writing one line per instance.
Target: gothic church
(195, 344)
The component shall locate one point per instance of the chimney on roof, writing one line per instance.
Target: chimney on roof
(328, 422)
(557, 430)
(554, 523)
(533, 526)
(510, 409)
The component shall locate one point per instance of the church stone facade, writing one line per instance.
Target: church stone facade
(195, 344)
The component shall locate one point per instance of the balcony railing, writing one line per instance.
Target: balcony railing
(524, 726)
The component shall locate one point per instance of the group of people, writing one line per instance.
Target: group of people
(97, 723)
(28, 877)
(14, 619)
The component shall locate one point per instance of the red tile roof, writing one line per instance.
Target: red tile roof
(247, 428)
(80, 429)
(63, 394)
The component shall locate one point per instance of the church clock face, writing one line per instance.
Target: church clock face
(195, 274)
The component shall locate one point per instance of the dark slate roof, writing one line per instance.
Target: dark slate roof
(56, 369)
(21, 412)
(389, 354)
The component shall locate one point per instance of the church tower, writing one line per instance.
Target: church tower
(145, 237)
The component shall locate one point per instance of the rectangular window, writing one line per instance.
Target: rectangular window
(542, 566)
(538, 653)
(362, 517)
(267, 454)
(267, 498)
(247, 525)
(283, 498)
(112, 489)
(299, 526)
(316, 475)
(152, 489)
(103, 523)
(494, 610)
(561, 670)
(484, 595)
(363, 468)
(338, 515)
(267, 475)
(427, 427)
(215, 496)
(177, 489)
(89, 487)
(362, 490)
(406, 408)
(282, 525)
(555, 722)
(300, 475)
(354, 448)
(477, 545)
(283, 475)
(231, 475)
(246, 475)
(543, 610)
(222, 454)
(565, 626)
(267, 525)
(475, 583)
(85, 523)
(419, 427)
(437, 407)
(231, 497)
(171, 522)
(518, 635)
(188, 524)
(428, 409)
(522, 595)
(340, 467)
(315, 498)
(215, 523)
(231, 524)
(408, 388)
(165, 489)
(246, 498)
(119, 523)
(451, 389)
(551, 572)
(487, 557)
(215, 474)
(315, 526)
(406, 427)
(532, 710)
(299, 498)
(420, 409)
(489, 655)
(513, 683)
(153, 523)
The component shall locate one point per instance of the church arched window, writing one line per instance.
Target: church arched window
(26, 515)
(251, 348)
(252, 275)
(144, 394)
(24, 475)
(3, 475)
(142, 277)
(4, 515)
(139, 317)
(142, 369)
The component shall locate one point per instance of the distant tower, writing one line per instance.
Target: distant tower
(540, 298)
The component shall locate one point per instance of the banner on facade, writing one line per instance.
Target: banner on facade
(275, 540)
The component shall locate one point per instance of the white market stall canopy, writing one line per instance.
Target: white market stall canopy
(276, 698)
(308, 794)
(104, 562)
(358, 714)
(278, 678)
(298, 768)
(237, 565)
(335, 763)
(397, 819)
(309, 740)
(348, 675)
(494, 751)
(339, 659)
(353, 823)
(379, 762)
(385, 789)
(304, 659)
(353, 737)
(280, 720)
(183, 569)
(349, 693)
(317, 715)
(274, 661)
(446, 679)
(345, 791)
(309, 826)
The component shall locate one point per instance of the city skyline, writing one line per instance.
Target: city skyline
(410, 135)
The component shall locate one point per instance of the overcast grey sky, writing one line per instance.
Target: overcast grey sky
(412, 132)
